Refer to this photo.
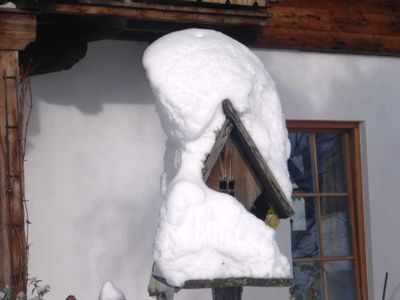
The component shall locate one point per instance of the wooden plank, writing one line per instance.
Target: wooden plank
(369, 27)
(226, 3)
(243, 2)
(233, 166)
(233, 282)
(272, 189)
(381, 7)
(280, 38)
(368, 23)
(7, 62)
(348, 159)
(247, 186)
(17, 29)
(293, 17)
(335, 19)
(12, 236)
(219, 144)
(200, 15)
(359, 210)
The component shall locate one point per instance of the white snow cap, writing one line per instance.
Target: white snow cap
(110, 292)
(8, 5)
(203, 234)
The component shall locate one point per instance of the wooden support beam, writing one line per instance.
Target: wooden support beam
(16, 31)
(13, 247)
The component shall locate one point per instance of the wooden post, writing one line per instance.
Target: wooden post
(17, 29)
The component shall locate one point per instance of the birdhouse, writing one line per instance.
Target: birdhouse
(235, 166)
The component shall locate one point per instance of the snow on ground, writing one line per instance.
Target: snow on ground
(110, 292)
(204, 234)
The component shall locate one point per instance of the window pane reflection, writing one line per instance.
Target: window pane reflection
(330, 163)
(307, 281)
(336, 226)
(340, 280)
(300, 162)
(305, 234)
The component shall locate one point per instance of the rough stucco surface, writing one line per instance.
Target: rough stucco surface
(95, 150)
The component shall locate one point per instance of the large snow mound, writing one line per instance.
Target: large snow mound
(204, 234)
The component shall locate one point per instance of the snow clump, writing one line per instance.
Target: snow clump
(110, 292)
(204, 234)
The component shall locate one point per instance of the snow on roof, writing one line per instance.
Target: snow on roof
(204, 234)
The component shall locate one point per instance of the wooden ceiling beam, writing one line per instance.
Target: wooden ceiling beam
(158, 12)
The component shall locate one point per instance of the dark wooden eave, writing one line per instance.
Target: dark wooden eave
(350, 26)
(340, 26)
(65, 27)
(271, 189)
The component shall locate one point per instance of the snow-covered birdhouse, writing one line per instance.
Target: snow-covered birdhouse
(204, 237)
(235, 166)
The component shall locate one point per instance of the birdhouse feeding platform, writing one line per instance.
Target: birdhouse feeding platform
(236, 166)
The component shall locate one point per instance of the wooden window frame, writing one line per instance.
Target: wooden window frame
(352, 142)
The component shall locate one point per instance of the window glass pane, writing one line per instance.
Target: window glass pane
(307, 281)
(340, 280)
(305, 232)
(336, 226)
(330, 163)
(300, 162)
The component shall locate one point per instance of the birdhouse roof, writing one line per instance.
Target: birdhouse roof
(233, 126)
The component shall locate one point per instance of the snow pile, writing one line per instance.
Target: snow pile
(8, 5)
(203, 234)
(110, 292)
(157, 288)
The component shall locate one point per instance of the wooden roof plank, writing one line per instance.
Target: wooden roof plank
(216, 150)
(272, 190)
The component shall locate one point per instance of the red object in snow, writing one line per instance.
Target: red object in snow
(71, 297)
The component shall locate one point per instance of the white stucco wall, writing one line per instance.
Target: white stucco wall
(95, 152)
(355, 88)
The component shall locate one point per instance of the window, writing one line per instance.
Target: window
(327, 230)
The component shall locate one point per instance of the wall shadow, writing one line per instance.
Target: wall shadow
(110, 73)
